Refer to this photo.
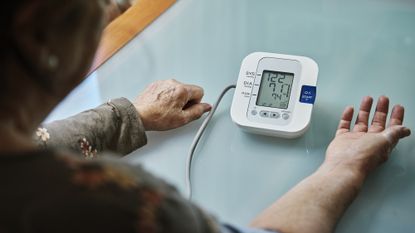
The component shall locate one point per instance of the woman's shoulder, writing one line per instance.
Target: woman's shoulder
(54, 171)
(59, 166)
(57, 191)
(65, 193)
(43, 174)
(108, 170)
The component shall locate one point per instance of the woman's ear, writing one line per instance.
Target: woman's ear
(58, 39)
(30, 40)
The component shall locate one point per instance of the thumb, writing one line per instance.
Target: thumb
(394, 133)
(196, 111)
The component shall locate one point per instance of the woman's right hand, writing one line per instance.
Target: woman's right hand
(364, 147)
(317, 203)
(169, 104)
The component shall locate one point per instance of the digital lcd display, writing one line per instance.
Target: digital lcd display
(275, 89)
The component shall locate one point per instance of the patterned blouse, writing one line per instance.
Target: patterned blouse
(56, 190)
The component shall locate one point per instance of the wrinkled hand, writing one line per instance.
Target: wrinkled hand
(170, 104)
(365, 147)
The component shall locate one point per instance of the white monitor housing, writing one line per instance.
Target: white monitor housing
(275, 94)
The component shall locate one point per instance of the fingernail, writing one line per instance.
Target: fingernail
(368, 98)
(396, 107)
(407, 131)
(208, 107)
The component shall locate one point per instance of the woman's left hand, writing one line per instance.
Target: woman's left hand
(169, 104)
(365, 146)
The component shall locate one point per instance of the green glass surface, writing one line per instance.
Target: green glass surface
(364, 47)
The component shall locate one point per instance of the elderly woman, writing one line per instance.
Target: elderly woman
(50, 184)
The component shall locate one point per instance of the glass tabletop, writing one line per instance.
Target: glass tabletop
(364, 47)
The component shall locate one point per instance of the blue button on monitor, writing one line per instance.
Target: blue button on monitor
(308, 94)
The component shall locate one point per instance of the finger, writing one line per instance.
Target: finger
(195, 93)
(174, 81)
(381, 114)
(396, 132)
(346, 120)
(194, 112)
(397, 115)
(362, 119)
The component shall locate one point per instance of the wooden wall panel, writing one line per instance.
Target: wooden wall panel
(120, 31)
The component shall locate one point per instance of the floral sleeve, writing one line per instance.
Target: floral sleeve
(114, 126)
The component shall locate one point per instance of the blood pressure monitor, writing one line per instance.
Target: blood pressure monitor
(275, 94)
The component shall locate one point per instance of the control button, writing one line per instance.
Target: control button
(308, 94)
(275, 115)
(254, 112)
(264, 113)
(285, 116)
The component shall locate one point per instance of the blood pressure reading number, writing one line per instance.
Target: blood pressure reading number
(275, 89)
